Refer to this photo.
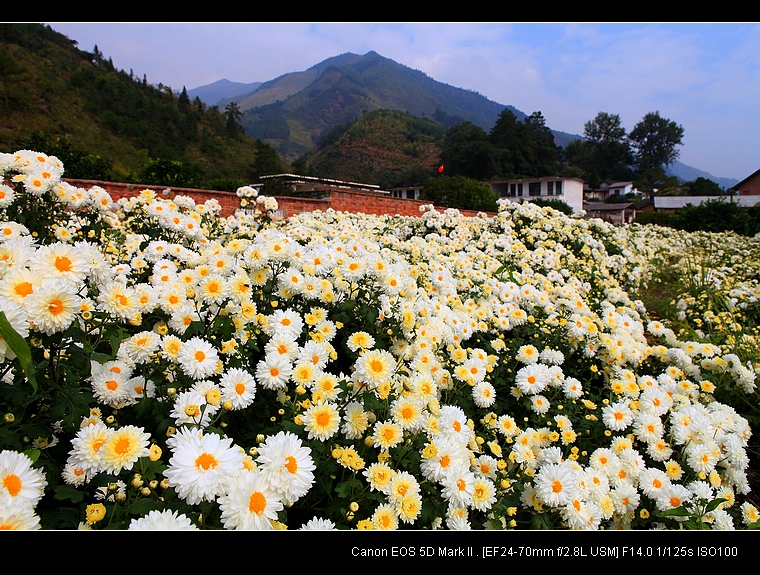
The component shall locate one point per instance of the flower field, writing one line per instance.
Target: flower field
(167, 368)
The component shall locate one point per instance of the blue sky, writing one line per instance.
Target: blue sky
(703, 76)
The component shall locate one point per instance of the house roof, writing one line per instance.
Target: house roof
(745, 180)
(677, 202)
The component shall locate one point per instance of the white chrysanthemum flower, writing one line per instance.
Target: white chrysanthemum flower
(198, 358)
(111, 388)
(60, 260)
(287, 464)
(17, 284)
(360, 340)
(273, 371)
(450, 456)
(655, 400)
(617, 416)
(165, 520)
(355, 421)
(213, 289)
(374, 366)
(86, 447)
(453, 422)
(321, 421)
(555, 485)
(672, 496)
(139, 348)
(21, 484)
(250, 503)
(118, 299)
(385, 518)
(539, 404)
(318, 524)
(123, 447)
(7, 196)
(458, 487)
(528, 354)
(407, 411)
(532, 378)
(18, 517)
(202, 465)
(647, 427)
(284, 322)
(652, 480)
(53, 306)
(239, 387)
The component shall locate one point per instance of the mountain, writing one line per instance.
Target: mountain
(295, 111)
(688, 174)
(211, 94)
(57, 98)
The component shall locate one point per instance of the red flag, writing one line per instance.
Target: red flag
(440, 169)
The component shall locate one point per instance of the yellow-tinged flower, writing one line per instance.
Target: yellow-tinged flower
(154, 453)
(95, 512)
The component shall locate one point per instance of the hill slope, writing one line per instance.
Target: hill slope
(52, 90)
(385, 147)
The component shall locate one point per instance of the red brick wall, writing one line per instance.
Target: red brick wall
(751, 187)
(338, 200)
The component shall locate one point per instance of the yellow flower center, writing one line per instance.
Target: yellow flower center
(205, 461)
(56, 307)
(13, 484)
(122, 446)
(257, 503)
(62, 264)
(23, 289)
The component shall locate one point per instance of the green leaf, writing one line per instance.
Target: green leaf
(19, 346)
(68, 493)
(33, 454)
(713, 505)
(676, 512)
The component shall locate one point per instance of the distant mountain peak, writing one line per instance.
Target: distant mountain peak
(212, 94)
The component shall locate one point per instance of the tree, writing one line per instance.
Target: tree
(524, 148)
(604, 153)
(702, 187)
(459, 192)
(656, 180)
(510, 146)
(233, 115)
(466, 151)
(654, 141)
(545, 154)
(183, 99)
(267, 161)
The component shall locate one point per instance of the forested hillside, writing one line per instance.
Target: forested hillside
(106, 122)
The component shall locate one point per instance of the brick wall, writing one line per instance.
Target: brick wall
(750, 186)
(338, 200)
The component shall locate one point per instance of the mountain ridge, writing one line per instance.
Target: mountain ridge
(294, 111)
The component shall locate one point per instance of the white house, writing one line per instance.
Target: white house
(607, 189)
(568, 190)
